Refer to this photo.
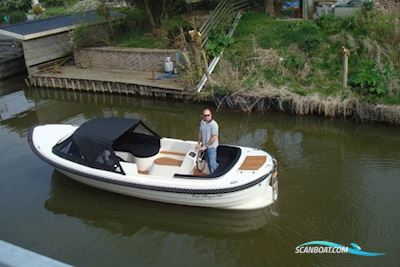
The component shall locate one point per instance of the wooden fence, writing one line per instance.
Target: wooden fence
(226, 9)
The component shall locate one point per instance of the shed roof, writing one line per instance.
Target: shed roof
(42, 27)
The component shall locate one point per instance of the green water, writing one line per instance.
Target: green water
(339, 181)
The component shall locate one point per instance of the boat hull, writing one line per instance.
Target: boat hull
(237, 189)
(258, 196)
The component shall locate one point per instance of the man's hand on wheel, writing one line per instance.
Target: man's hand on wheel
(203, 148)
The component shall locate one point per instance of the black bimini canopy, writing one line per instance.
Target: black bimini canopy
(97, 135)
(94, 141)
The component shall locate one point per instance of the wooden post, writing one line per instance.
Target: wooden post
(185, 53)
(195, 36)
(346, 54)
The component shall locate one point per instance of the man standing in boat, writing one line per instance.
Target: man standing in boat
(208, 139)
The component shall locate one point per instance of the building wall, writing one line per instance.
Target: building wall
(11, 66)
(138, 59)
(308, 9)
(47, 48)
(346, 11)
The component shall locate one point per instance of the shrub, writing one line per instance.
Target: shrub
(88, 36)
(16, 5)
(3, 12)
(17, 16)
(369, 80)
(173, 26)
(217, 42)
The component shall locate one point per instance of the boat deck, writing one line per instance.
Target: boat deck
(146, 78)
(109, 81)
(253, 163)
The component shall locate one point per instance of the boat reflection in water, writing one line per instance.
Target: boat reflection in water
(126, 215)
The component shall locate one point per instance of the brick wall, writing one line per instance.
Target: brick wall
(139, 59)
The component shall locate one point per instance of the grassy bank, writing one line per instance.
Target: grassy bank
(305, 57)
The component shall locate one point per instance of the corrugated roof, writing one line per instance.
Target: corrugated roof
(31, 29)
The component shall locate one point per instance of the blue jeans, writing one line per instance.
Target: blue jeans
(212, 159)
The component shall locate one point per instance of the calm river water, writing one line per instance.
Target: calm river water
(339, 182)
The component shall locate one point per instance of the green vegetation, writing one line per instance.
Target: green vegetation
(129, 32)
(57, 7)
(16, 16)
(56, 3)
(219, 39)
(133, 31)
(141, 40)
(306, 56)
(55, 11)
(15, 5)
(13, 11)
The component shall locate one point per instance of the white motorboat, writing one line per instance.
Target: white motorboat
(125, 156)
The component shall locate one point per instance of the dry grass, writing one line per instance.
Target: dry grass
(233, 77)
(265, 96)
(334, 107)
(227, 76)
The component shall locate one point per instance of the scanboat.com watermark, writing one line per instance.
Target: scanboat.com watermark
(326, 247)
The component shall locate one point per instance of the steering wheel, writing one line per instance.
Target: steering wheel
(200, 161)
